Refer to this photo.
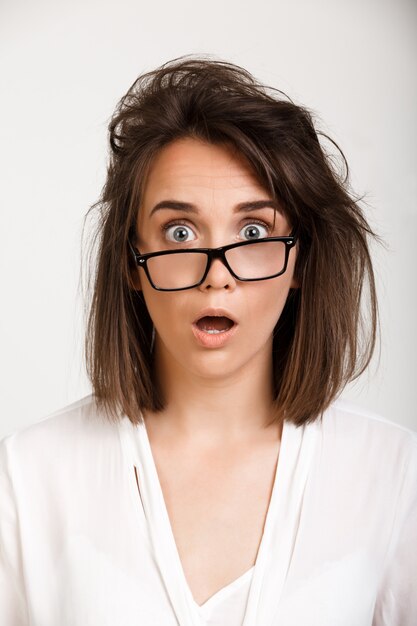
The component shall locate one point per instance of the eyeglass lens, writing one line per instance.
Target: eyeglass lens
(179, 270)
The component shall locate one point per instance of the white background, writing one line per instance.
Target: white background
(64, 65)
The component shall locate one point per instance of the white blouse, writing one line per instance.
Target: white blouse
(85, 538)
(228, 605)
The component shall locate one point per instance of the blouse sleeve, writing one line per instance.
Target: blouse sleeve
(13, 611)
(396, 603)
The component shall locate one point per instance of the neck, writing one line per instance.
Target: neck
(214, 406)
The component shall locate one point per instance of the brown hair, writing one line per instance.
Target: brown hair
(323, 339)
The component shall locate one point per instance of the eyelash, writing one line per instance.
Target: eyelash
(165, 227)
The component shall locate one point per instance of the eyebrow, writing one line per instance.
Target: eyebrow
(191, 208)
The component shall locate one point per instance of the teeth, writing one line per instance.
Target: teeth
(212, 332)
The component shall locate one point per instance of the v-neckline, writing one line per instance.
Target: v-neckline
(224, 592)
(279, 513)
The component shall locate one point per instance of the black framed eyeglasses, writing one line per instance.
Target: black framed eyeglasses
(176, 270)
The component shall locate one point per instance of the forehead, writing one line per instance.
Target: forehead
(191, 163)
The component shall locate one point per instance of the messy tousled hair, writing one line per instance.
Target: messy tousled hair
(326, 334)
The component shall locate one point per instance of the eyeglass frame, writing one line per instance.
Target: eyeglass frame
(212, 253)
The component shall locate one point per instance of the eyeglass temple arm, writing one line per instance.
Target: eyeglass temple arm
(134, 253)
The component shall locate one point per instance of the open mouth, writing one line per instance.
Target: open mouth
(214, 324)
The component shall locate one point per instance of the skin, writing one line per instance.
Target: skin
(215, 456)
(203, 385)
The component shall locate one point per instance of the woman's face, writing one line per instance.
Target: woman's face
(214, 179)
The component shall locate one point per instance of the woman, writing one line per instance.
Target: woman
(213, 477)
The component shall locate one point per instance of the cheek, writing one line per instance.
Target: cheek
(265, 303)
(166, 312)
(158, 307)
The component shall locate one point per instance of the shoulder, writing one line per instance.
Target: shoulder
(369, 442)
(68, 434)
(351, 421)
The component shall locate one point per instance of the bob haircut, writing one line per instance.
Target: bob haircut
(323, 339)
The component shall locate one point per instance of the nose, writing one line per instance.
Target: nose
(218, 276)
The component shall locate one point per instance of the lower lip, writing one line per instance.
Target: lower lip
(213, 340)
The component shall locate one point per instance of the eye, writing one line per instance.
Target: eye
(179, 233)
(252, 228)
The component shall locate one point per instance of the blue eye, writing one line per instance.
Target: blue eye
(180, 231)
(253, 228)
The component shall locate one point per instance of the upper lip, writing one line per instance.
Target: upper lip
(215, 312)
